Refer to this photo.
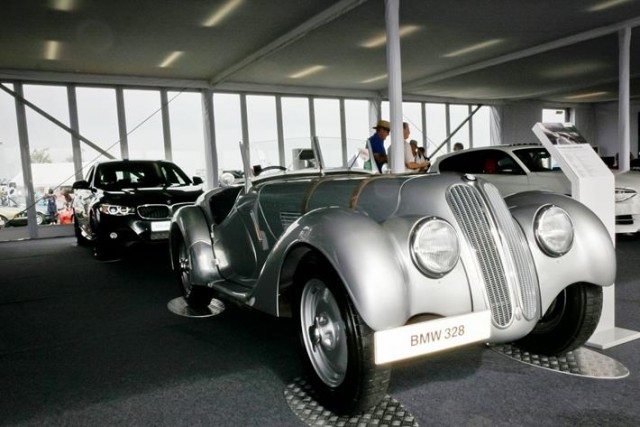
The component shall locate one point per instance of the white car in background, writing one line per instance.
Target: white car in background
(521, 167)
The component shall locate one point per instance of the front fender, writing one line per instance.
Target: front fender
(592, 257)
(190, 222)
(361, 253)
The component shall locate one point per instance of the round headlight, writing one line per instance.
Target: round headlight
(553, 230)
(434, 247)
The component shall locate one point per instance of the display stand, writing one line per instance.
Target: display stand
(592, 184)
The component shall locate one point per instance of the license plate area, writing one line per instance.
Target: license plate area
(431, 336)
(160, 226)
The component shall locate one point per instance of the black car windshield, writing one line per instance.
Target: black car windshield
(119, 175)
(537, 159)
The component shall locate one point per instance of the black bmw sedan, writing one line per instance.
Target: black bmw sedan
(121, 202)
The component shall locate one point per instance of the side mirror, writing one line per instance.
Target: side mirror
(197, 180)
(81, 185)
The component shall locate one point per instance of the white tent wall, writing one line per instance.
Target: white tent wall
(606, 118)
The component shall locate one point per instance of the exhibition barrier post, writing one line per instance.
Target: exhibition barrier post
(592, 184)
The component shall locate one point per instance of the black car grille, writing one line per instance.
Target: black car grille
(159, 211)
(500, 255)
(624, 220)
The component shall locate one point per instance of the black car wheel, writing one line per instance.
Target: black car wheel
(568, 323)
(196, 296)
(336, 344)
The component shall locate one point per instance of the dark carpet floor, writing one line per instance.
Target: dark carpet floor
(85, 343)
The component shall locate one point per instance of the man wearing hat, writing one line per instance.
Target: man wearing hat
(376, 141)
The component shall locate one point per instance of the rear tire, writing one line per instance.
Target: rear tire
(337, 346)
(196, 296)
(568, 323)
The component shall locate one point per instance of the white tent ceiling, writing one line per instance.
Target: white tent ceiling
(490, 51)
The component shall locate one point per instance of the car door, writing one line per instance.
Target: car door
(83, 198)
(236, 241)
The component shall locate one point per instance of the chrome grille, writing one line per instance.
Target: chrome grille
(288, 218)
(517, 255)
(154, 211)
(474, 219)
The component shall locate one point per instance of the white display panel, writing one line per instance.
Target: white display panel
(592, 184)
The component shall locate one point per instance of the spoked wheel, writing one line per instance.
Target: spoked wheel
(336, 343)
(196, 296)
(568, 323)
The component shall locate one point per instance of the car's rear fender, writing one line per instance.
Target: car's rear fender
(359, 250)
(592, 247)
(190, 222)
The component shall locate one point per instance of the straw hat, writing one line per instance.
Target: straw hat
(383, 124)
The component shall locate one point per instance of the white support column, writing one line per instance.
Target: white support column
(624, 134)
(122, 124)
(343, 132)
(210, 151)
(244, 120)
(312, 117)
(166, 124)
(394, 71)
(423, 113)
(25, 158)
(280, 130)
(75, 125)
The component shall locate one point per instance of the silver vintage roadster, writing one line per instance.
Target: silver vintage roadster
(380, 268)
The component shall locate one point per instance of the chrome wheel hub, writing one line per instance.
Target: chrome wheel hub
(324, 332)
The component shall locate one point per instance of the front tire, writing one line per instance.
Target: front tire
(196, 296)
(568, 323)
(337, 346)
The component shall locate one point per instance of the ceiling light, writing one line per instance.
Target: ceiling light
(375, 79)
(572, 70)
(63, 5)
(381, 40)
(52, 50)
(607, 4)
(587, 95)
(222, 12)
(473, 48)
(171, 58)
(307, 71)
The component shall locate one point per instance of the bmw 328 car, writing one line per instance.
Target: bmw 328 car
(375, 269)
(122, 202)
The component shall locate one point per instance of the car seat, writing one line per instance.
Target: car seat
(490, 166)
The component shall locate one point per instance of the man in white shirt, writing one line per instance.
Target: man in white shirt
(412, 163)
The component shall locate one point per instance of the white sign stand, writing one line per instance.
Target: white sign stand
(592, 184)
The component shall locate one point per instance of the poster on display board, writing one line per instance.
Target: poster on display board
(592, 184)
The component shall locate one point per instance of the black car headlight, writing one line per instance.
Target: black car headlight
(623, 194)
(553, 230)
(117, 210)
(434, 247)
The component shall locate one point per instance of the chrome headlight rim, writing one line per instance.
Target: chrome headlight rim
(424, 264)
(545, 243)
(117, 210)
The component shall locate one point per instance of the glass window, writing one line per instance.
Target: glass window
(228, 124)
(555, 115)
(98, 122)
(481, 125)
(436, 128)
(263, 130)
(358, 128)
(10, 169)
(458, 115)
(327, 112)
(296, 126)
(187, 132)
(412, 114)
(144, 124)
(50, 147)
